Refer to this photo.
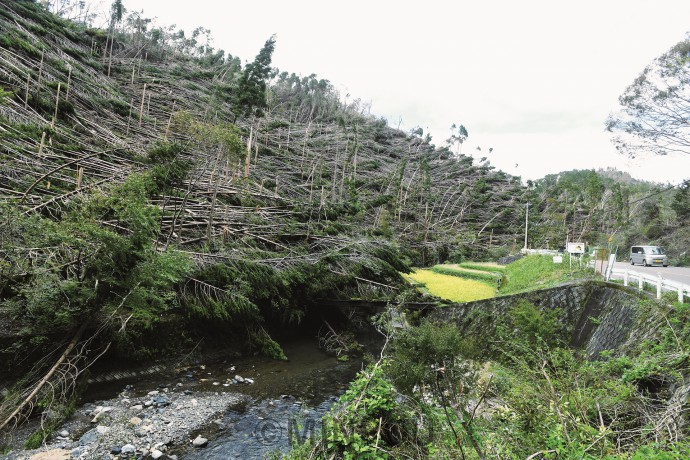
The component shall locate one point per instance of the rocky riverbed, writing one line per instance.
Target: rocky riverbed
(145, 426)
(233, 408)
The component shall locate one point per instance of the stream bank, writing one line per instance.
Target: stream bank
(244, 407)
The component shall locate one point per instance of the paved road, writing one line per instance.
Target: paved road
(680, 274)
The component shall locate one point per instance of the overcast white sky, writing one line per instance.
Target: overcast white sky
(534, 79)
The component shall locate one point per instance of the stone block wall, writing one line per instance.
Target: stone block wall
(595, 316)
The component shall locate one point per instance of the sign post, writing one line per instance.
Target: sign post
(575, 248)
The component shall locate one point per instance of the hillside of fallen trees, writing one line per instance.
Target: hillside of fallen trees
(154, 194)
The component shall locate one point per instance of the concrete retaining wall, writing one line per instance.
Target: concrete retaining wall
(595, 316)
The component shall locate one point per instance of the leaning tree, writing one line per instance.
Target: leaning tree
(655, 109)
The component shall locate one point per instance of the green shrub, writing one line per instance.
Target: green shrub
(421, 350)
(4, 95)
(366, 421)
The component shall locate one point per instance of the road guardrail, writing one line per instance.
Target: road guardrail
(660, 282)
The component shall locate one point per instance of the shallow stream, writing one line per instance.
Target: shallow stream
(288, 398)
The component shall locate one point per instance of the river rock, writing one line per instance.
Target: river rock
(161, 401)
(239, 378)
(78, 452)
(98, 417)
(145, 430)
(89, 437)
(64, 434)
(128, 449)
(159, 446)
(137, 407)
(100, 409)
(164, 441)
(135, 421)
(116, 450)
(199, 441)
(156, 454)
(100, 429)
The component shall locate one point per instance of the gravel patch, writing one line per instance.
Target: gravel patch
(144, 426)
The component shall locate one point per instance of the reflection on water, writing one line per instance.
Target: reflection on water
(265, 427)
(309, 374)
(290, 398)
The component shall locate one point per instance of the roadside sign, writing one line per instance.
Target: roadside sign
(576, 248)
(609, 267)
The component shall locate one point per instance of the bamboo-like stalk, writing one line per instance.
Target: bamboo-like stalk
(80, 176)
(167, 127)
(129, 116)
(26, 93)
(141, 110)
(249, 153)
(69, 79)
(40, 146)
(40, 70)
(57, 103)
(110, 58)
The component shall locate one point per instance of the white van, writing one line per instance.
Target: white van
(648, 255)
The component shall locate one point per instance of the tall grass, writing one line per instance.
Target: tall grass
(539, 271)
(452, 287)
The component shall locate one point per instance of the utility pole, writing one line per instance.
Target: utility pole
(526, 224)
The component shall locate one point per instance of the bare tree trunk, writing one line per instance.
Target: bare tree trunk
(69, 79)
(57, 102)
(40, 72)
(141, 109)
(248, 157)
(26, 94)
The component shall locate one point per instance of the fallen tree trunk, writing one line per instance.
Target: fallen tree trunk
(46, 378)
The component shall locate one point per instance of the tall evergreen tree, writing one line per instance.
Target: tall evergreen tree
(250, 96)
